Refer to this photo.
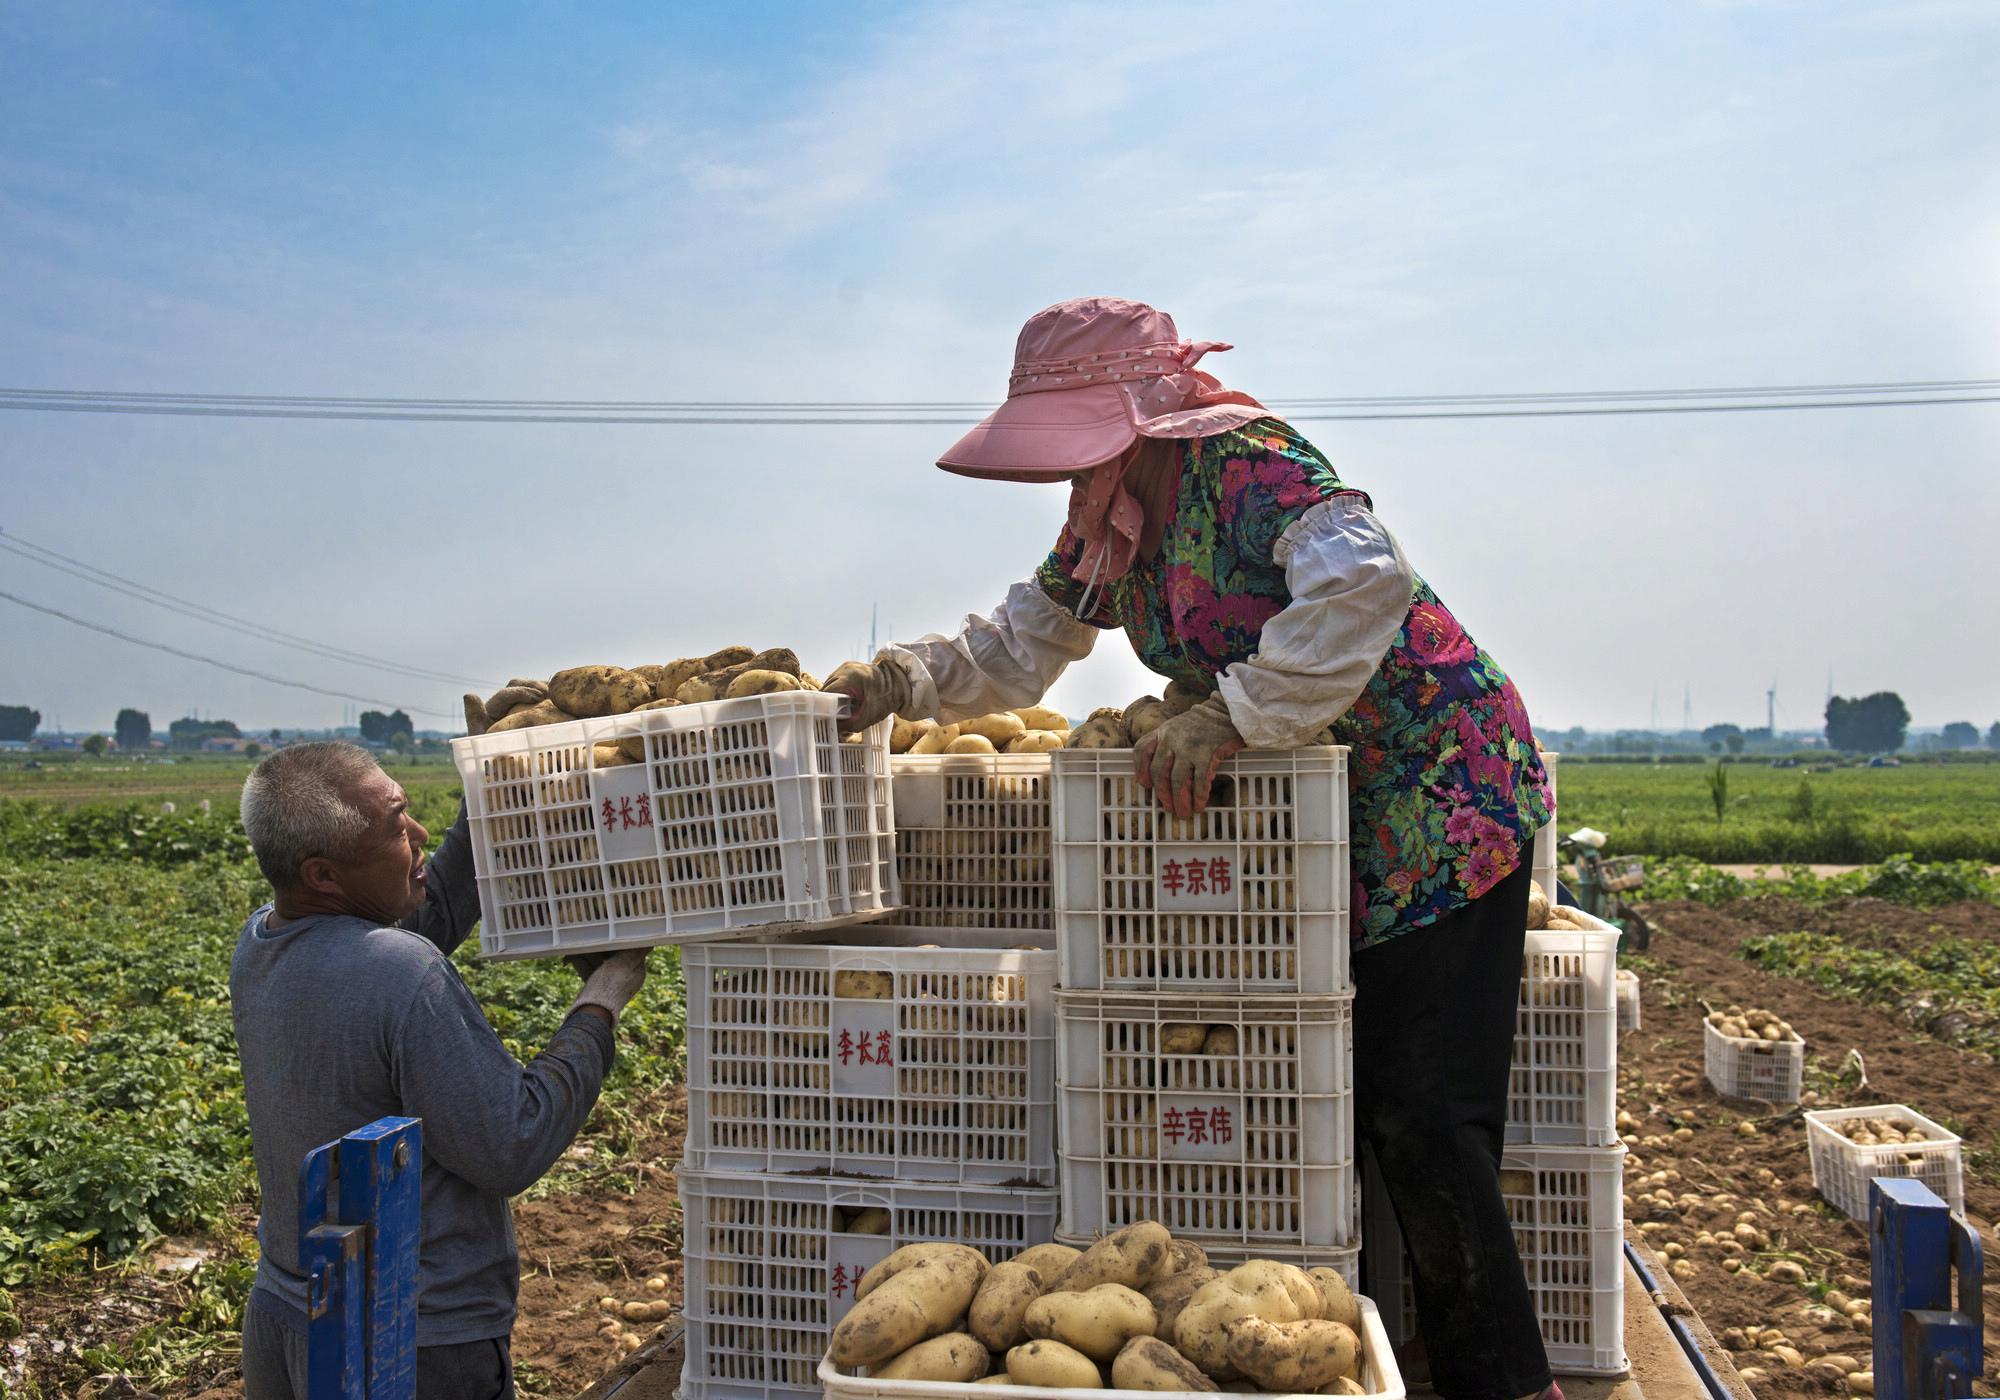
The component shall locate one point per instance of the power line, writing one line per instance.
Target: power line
(131, 588)
(211, 661)
(945, 413)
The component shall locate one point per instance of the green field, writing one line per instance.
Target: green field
(1945, 811)
(74, 779)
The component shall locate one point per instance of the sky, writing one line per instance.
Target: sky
(768, 201)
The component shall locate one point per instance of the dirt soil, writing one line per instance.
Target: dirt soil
(1715, 1174)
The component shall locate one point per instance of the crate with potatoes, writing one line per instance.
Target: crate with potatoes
(972, 821)
(710, 797)
(1562, 1087)
(1137, 1311)
(771, 1264)
(1752, 1053)
(879, 1052)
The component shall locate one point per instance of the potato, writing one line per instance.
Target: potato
(1042, 717)
(649, 673)
(1182, 1037)
(1097, 1322)
(475, 714)
(532, 717)
(714, 685)
(1002, 727)
(1258, 1289)
(586, 691)
(872, 1221)
(920, 1300)
(1344, 1385)
(911, 1255)
(1182, 697)
(1037, 741)
(997, 1378)
(611, 755)
(1340, 1306)
(1053, 1366)
(1220, 1040)
(1135, 1256)
(724, 657)
(1048, 1260)
(999, 1309)
(515, 695)
(1290, 1357)
(1144, 715)
(971, 743)
(760, 683)
(1186, 1253)
(864, 984)
(934, 739)
(955, 1356)
(808, 681)
(676, 674)
(1538, 906)
(1101, 731)
(905, 732)
(1147, 1363)
(1171, 1294)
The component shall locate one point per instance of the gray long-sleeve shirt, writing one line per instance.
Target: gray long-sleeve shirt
(340, 1022)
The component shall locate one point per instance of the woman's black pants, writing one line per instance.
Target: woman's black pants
(1434, 1013)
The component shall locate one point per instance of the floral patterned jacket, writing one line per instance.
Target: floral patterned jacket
(1446, 787)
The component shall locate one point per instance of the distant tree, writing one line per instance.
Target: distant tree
(252, 749)
(134, 729)
(189, 733)
(378, 728)
(19, 722)
(96, 745)
(1735, 743)
(1993, 736)
(1960, 735)
(1875, 723)
(401, 742)
(1718, 734)
(276, 737)
(400, 723)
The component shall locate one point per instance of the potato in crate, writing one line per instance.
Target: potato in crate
(709, 820)
(1249, 896)
(1852, 1146)
(1562, 1083)
(972, 842)
(1227, 1119)
(1753, 1054)
(771, 1263)
(869, 1055)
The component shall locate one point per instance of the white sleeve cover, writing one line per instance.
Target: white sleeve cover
(1008, 658)
(1351, 591)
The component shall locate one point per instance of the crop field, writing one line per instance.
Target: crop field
(1850, 816)
(127, 1196)
(72, 780)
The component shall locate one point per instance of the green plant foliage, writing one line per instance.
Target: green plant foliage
(1950, 989)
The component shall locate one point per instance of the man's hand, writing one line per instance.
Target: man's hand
(878, 690)
(610, 980)
(1178, 760)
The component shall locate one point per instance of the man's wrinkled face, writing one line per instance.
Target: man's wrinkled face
(383, 877)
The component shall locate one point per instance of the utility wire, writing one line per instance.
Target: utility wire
(131, 588)
(833, 413)
(211, 661)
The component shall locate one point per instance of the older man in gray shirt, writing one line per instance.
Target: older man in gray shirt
(347, 1009)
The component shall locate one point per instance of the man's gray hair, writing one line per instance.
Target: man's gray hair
(295, 807)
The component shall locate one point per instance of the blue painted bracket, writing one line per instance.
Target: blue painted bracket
(358, 1212)
(1928, 1344)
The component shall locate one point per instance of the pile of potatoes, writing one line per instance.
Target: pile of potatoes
(1544, 912)
(1138, 1310)
(1752, 1024)
(1874, 1132)
(1113, 728)
(618, 1316)
(586, 692)
(1030, 729)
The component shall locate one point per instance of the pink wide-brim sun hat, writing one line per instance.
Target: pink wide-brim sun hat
(1091, 376)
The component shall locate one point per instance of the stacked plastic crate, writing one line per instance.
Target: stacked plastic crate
(892, 1085)
(1204, 1022)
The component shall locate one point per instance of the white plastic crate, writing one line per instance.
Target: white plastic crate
(1566, 1205)
(1250, 896)
(870, 1056)
(1629, 1014)
(1380, 1380)
(1545, 858)
(1227, 1254)
(1771, 1071)
(1250, 1147)
(1842, 1169)
(972, 841)
(769, 1269)
(1562, 1085)
(747, 816)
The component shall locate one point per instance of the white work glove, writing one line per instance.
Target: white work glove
(610, 980)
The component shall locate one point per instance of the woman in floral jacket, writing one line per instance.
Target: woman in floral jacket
(1239, 564)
